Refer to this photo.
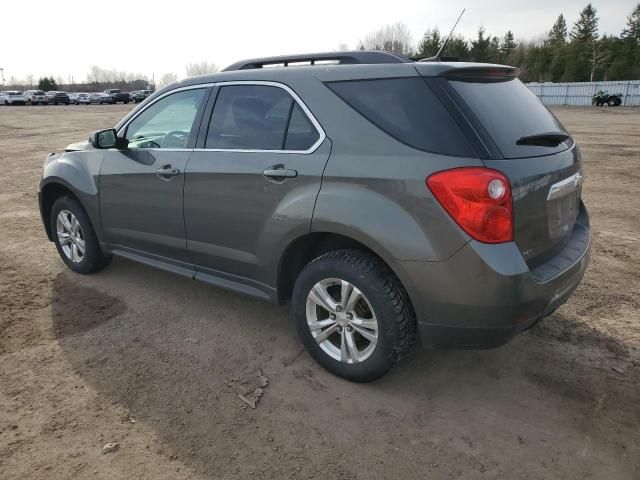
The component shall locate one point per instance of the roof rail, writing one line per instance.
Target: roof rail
(440, 59)
(346, 57)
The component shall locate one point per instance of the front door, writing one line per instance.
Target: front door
(141, 186)
(254, 183)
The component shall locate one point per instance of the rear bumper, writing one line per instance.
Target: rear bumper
(484, 295)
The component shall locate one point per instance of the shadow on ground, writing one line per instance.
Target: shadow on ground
(174, 353)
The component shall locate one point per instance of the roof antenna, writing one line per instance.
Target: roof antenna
(444, 45)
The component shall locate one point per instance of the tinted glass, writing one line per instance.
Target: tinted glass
(509, 111)
(167, 123)
(301, 134)
(408, 110)
(251, 117)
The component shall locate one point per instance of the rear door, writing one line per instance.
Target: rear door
(253, 182)
(141, 186)
(528, 144)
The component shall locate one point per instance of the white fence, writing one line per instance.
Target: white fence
(580, 93)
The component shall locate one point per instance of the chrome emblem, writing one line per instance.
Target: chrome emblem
(565, 187)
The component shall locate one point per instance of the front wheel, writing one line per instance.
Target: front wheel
(75, 238)
(353, 315)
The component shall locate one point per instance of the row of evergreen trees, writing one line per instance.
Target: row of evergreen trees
(577, 55)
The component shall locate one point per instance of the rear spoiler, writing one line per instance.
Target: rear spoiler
(482, 74)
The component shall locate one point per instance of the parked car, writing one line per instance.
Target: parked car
(56, 98)
(139, 95)
(101, 98)
(384, 197)
(12, 97)
(602, 96)
(81, 99)
(117, 95)
(36, 97)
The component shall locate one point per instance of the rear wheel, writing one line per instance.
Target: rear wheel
(75, 238)
(352, 314)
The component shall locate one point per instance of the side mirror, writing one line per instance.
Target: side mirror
(105, 139)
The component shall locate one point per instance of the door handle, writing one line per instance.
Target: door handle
(279, 172)
(167, 172)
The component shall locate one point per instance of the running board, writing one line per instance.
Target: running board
(265, 293)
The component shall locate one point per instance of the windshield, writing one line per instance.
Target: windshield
(509, 111)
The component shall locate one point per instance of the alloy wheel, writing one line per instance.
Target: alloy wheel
(342, 321)
(70, 236)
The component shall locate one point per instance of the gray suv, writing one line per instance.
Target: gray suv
(384, 197)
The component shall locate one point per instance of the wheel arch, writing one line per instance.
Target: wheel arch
(305, 248)
(49, 193)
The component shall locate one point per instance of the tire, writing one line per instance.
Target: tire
(611, 102)
(384, 303)
(618, 102)
(92, 259)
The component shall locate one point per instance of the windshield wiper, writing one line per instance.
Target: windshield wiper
(549, 139)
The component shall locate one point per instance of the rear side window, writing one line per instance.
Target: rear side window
(408, 110)
(301, 133)
(509, 111)
(259, 117)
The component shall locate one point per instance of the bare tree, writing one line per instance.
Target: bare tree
(167, 78)
(101, 75)
(201, 68)
(394, 38)
(343, 47)
(599, 56)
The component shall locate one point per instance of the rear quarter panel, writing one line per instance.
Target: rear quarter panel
(374, 189)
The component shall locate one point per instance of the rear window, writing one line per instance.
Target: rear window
(509, 111)
(408, 110)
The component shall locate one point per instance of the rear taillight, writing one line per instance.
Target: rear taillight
(478, 199)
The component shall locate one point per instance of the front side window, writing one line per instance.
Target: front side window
(167, 123)
(259, 117)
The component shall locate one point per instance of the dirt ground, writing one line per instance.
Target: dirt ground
(154, 362)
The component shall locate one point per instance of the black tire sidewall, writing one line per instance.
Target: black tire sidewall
(372, 286)
(93, 258)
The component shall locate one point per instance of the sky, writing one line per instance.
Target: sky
(157, 37)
